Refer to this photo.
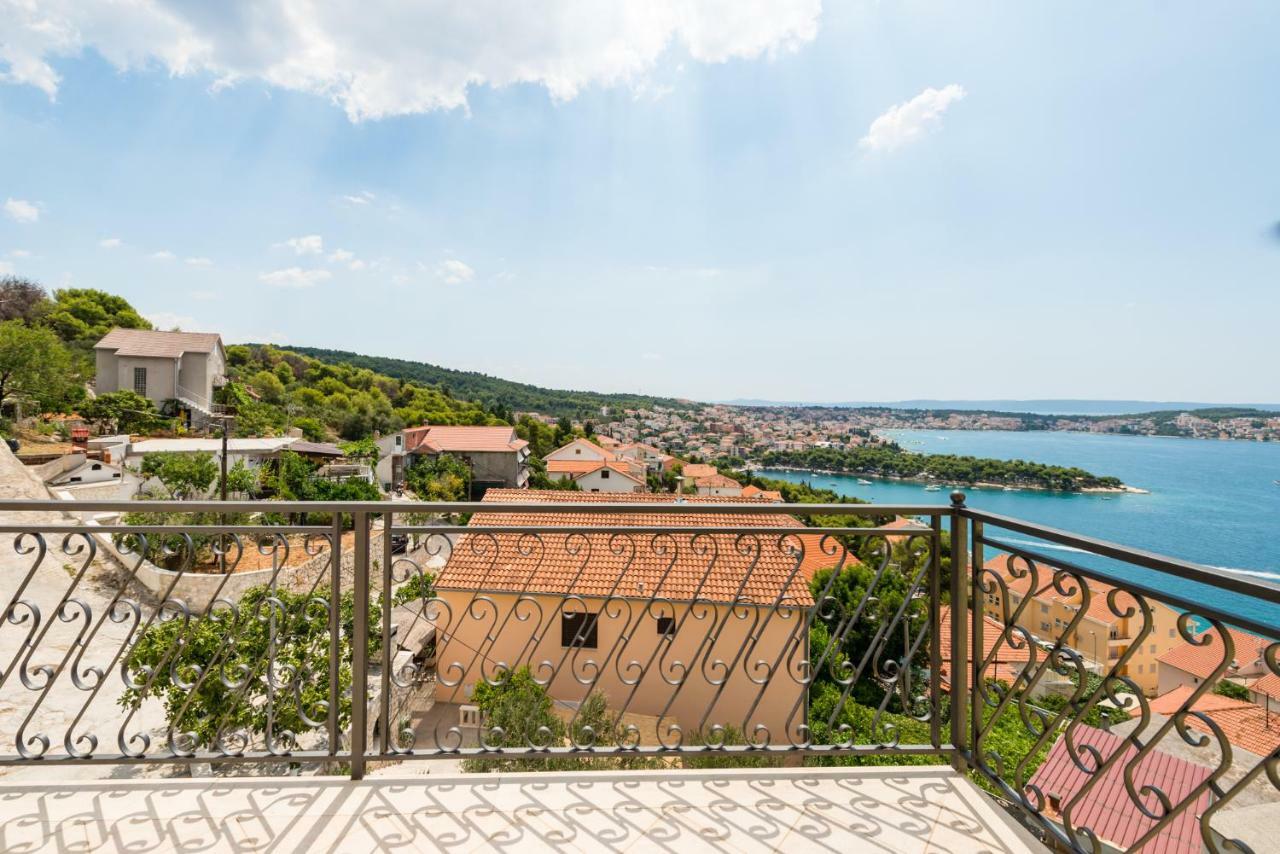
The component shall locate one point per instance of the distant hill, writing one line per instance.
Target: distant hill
(1038, 407)
(471, 385)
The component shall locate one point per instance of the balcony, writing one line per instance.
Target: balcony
(601, 671)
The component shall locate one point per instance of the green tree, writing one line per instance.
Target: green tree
(241, 479)
(268, 385)
(184, 475)
(211, 673)
(34, 366)
(440, 478)
(421, 586)
(1232, 690)
(22, 299)
(125, 410)
(81, 316)
(522, 710)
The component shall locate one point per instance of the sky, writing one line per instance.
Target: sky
(732, 199)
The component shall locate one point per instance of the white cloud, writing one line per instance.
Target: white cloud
(294, 277)
(6, 269)
(19, 253)
(203, 296)
(111, 243)
(169, 320)
(343, 256)
(199, 262)
(387, 57)
(162, 255)
(311, 244)
(361, 198)
(20, 210)
(910, 120)
(454, 272)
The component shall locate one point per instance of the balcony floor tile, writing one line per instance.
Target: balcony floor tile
(838, 809)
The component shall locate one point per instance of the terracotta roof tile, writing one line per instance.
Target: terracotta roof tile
(717, 567)
(716, 480)
(1202, 661)
(1246, 725)
(1009, 661)
(1107, 809)
(444, 439)
(1268, 685)
(697, 470)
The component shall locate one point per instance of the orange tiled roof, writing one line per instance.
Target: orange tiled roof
(1171, 701)
(1246, 725)
(1269, 685)
(697, 470)
(444, 439)
(1202, 661)
(1008, 662)
(680, 566)
(716, 480)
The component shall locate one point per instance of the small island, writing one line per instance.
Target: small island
(889, 460)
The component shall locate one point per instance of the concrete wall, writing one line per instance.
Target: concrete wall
(161, 375)
(1047, 618)
(575, 450)
(107, 378)
(599, 481)
(780, 706)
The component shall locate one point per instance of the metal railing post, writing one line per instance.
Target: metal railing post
(335, 631)
(959, 664)
(360, 647)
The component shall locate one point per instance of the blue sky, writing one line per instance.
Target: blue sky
(775, 200)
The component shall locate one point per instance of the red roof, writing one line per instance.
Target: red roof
(676, 566)
(444, 439)
(1202, 661)
(1107, 809)
(1008, 661)
(1268, 685)
(1246, 725)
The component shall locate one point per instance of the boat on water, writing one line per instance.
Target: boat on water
(864, 482)
(933, 487)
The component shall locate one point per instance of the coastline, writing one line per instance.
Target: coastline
(1122, 489)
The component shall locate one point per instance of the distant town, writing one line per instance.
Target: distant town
(750, 432)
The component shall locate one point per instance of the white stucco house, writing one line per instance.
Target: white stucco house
(718, 484)
(161, 366)
(598, 475)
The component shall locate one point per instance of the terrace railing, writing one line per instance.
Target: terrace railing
(583, 635)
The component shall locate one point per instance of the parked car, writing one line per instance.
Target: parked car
(399, 543)
(13, 444)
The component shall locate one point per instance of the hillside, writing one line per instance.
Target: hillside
(492, 391)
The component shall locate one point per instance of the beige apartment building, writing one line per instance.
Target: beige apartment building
(692, 633)
(1100, 636)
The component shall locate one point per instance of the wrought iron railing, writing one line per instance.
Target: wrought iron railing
(589, 634)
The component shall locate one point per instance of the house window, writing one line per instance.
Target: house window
(140, 381)
(667, 627)
(1153, 649)
(604, 475)
(1044, 627)
(1044, 607)
(579, 629)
